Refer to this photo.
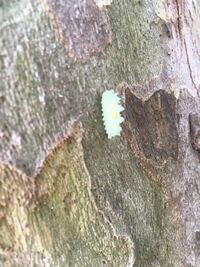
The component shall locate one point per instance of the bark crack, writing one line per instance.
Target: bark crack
(179, 19)
(179, 8)
(189, 66)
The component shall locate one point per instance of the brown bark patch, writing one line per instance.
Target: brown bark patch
(83, 27)
(152, 125)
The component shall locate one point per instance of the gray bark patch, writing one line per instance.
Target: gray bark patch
(83, 27)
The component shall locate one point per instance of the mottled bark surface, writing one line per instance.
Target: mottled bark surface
(52, 220)
(90, 201)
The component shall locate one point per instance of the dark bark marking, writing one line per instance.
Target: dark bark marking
(197, 236)
(83, 27)
(167, 29)
(194, 120)
(152, 124)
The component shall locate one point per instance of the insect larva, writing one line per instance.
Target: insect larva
(111, 109)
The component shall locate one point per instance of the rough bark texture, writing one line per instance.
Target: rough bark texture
(129, 201)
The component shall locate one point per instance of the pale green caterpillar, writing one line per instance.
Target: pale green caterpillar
(111, 109)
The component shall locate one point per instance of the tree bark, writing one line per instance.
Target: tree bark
(69, 196)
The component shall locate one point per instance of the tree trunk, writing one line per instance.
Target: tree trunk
(69, 196)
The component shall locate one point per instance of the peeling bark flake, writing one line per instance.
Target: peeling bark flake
(153, 125)
(83, 27)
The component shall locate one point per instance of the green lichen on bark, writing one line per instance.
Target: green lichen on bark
(52, 218)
